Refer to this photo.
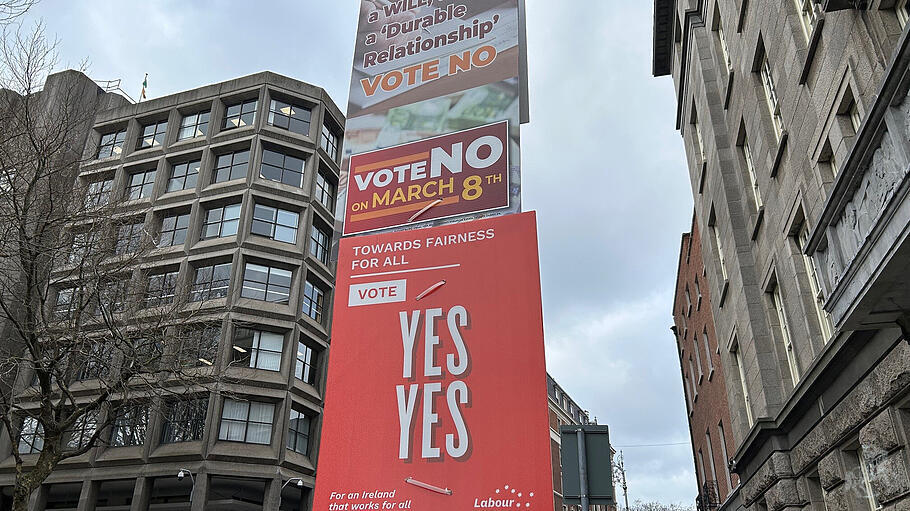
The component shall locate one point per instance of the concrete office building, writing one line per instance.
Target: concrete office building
(703, 376)
(794, 117)
(563, 411)
(237, 183)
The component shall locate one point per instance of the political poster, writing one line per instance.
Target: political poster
(435, 398)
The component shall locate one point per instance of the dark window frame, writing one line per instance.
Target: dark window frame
(274, 224)
(313, 305)
(295, 431)
(283, 114)
(145, 188)
(174, 227)
(210, 288)
(268, 286)
(199, 127)
(284, 172)
(222, 221)
(232, 168)
(109, 143)
(188, 176)
(154, 138)
(184, 420)
(244, 116)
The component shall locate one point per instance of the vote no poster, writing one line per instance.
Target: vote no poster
(436, 382)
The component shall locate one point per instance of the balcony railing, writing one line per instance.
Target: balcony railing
(707, 499)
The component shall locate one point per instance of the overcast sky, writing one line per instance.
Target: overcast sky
(601, 163)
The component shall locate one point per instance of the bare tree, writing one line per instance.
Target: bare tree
(90, 341)
(658, 506)
(11, 10)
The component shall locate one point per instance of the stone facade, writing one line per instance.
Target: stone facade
(794, 119)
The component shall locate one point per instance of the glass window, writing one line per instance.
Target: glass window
(740, 368)
(313, 300)
(141, 184)
(129, 238)
(266, 283)
(824, 319)
(162, 289)
(784, 330)
(221, 222)
(330, 142)
(767, 80)
(130, 426)
(306, 363)
(325, 191)
(112, 296)
(153, 135)
(184, 421)
(274, 223)
(65, 302)
(31, 437)
(95, 362)
(241, 114)
(707, 344)
(211, 282)
(290, 117)
(319, 243)
(903, 12)
(99, 193)
(198, 345)
(299, 432)
(184, 176)
(750, 168)
(194, 125)
(111, 144)
(173, 230)
(82, 431)
(231, 166)
(261, 350)
(282, 168)
(246, 421)
(807, 16)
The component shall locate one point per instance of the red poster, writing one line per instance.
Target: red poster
(439, 177)
(436, 394)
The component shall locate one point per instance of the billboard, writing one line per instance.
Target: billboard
(435, 395)
(424, 68)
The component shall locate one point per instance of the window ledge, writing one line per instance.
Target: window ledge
(781, 145)
(729, 89)
(813, 46)
(758, 221)
(723, 293)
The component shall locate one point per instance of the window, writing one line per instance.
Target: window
(313, 301)
(325, 191)
(246, 421)
(856, 119)
(742, 381)
(31, 436)
(290, 117)
(867, 469)
(99, 193)
(785, 335)
(231, 166)
(82, 430)
(184, 176)
(194, 125)
(701, 372)
(141, 184)
(330, 142)
(282, 168)
(299, 432)
(241, 114)
(261, 350)
(707, 345)
(807, 16)
(710, 456)
(274, 223)
(824, 319)
(724, 50)
(184, 421)
(130, 426)
(699, 139)
(692, 381)
(211, 282)
(767, 81)
(688, 302)
(319, 244)
(173, 230)
(701, 467)
(698, 295)
(723, 451)
(719, 246)
(266, 283)
(903, 13)
(162, 289)
(111, 144)
(65, 303)
(129, 238)
(221, 222)
(305, 370)
(198, 345)
(95, 362)
(750, 169)
(153, 135)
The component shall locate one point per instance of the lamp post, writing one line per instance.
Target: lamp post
(183, 473)
(296, 480)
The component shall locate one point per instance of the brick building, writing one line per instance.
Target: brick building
(794, 118)
(702, 375)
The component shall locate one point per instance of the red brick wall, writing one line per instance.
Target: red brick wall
(710, 407)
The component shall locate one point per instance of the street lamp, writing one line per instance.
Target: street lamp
(296, 480)
(183, 473)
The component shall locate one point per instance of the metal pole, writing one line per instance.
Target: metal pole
(625, 489)
(582, 469)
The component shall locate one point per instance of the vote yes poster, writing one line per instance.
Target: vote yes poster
(435, 398)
